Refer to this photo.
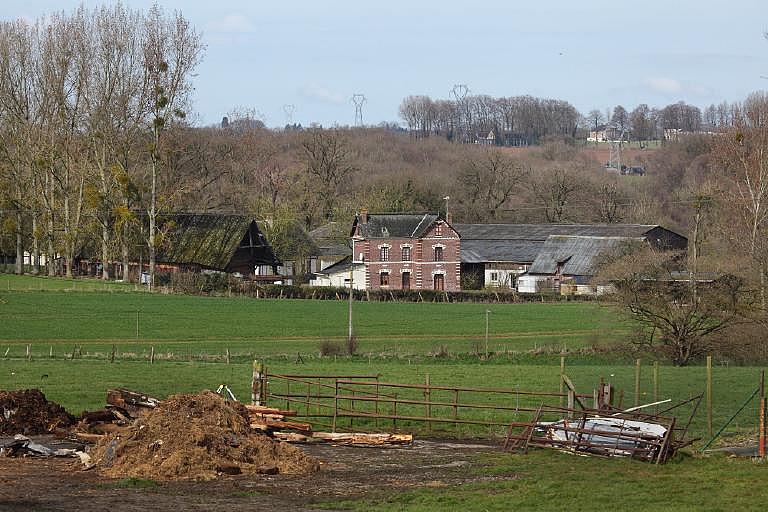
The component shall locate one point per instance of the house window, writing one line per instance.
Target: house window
(438, 253)
(439, 230)
(494, 276)
(406, 253)
(384, 253)
(384, 279)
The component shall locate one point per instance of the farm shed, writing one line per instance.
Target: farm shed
(572, 260)
(501, 253)
(224, 243)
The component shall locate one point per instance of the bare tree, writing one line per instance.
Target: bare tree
(327, 159)
(554, 189)
(172, 49)
(487, 182)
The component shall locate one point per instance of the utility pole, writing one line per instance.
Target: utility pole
(351, 290)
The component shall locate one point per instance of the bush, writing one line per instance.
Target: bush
(329, 348)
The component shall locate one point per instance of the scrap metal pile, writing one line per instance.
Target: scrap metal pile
(605, 431)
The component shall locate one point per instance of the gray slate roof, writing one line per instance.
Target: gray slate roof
(521, 243)
(396, 225)
(540, 232)
(340, 266)
(331, 240)
(579, 254)
(512, 251)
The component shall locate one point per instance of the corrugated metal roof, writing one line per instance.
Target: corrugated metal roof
(577, 254)
(540, 232)
(396, 225)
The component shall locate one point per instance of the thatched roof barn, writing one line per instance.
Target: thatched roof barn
(227, 243)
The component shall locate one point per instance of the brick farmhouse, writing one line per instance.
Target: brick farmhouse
(406, 251)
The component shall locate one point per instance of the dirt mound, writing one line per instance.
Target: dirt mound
(196, 437)
(27, 412)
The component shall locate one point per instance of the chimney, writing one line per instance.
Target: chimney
(363, 216)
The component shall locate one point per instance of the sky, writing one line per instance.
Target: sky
(315, 54)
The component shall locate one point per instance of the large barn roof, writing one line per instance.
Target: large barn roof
(211, 240)
(395, 225)
(540, 232)
(486, 251)
(521, 243)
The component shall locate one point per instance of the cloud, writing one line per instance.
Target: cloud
(319, 92)
(233, 23)
(664, 85)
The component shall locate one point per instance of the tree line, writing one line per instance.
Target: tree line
(86, 99)
(525, 120)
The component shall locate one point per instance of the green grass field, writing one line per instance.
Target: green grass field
(397, 341)
(178, 325)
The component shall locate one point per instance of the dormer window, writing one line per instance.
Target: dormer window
(384, 232)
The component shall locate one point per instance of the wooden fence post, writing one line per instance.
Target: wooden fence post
(50, 352)
(227, 356)
(152, 355)
(29, 352)
(656, 384)
(637, 382)
(256, 383)
(112, 355)
(335, 403)
(562, 372)
(428, 399)
(709, 396)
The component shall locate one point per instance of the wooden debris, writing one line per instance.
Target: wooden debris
(89, 438)
(134, 403)
(356, 438)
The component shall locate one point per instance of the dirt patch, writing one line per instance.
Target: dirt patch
(347, 473)
(196, 437)
(28, 412)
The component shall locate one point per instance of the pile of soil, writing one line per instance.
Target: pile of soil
(27, 412)
(197, 437)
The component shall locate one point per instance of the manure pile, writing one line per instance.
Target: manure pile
(197, 437)
(28, 412)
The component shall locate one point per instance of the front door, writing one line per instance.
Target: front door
(439, 282)
(406, 280)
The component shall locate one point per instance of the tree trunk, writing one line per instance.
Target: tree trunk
(35, 246)
(19, 243)
(105, 252)
(153, 210)
(124, 250)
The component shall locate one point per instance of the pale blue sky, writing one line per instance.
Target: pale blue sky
(593, 53)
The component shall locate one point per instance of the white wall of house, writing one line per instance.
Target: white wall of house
(533, 284)
(502, 275)
(339, 279)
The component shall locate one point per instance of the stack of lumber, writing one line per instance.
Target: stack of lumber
(268, 419)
